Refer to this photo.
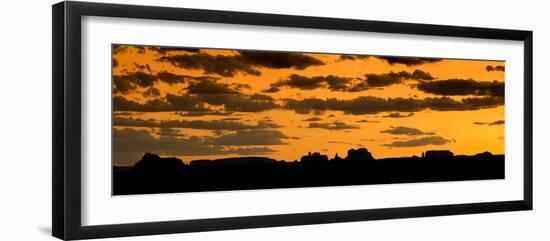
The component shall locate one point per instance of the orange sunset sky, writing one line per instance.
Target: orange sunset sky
(213, 103)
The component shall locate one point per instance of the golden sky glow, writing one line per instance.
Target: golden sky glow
(208, 104)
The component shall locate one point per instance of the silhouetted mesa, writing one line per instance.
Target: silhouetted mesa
(361, 154)
(439, 154)
(153, 174)
(314, 158)
(232, 161)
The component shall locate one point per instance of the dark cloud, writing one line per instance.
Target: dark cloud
(194, 105)
(408, 61)
(397, 115)
(193, 124)
(165, 50)
(169, 103)
(423, 141)
(122, 104)
(301, 82)
(128, 82)
(372, 105)
(122, 113)
(448, 104)
(172, 78)
(491, 68)
(116, 49)
(357, 106)
(203, 91)
(403, 130)
(494, 123)
(169, 132)
(354, 87)
(223, 65)
(445, 104)
(421, 75)
(313, 119)
(386, 79)
(337, 83)
(245, 62)
(231, 119)
(159, 49)
(308, 83)
(185, 103)
(240, 86)
(333, 126)
(368, 121)
(353, 57)
(203, 113)
(481, 103)
(463, 87)
(242, 103)
(279, 60)
(221, 94)
(271, 90)
(210, 87)
(347, 57)
(250, 138)
(143, 67)
(151, 92)
(341, 83)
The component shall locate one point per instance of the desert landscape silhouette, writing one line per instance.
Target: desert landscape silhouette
(191, 119)
(153, 174)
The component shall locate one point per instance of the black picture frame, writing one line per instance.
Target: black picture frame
(66, 47)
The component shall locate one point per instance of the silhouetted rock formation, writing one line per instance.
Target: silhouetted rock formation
(484, 155)
(361, 154)
(153, 174)
(151, 164)
(233, 161)
(336, 158)
(438, 154)
(314, 158)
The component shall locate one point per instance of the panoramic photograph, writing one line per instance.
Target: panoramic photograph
(187, 119)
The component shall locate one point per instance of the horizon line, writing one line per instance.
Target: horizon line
(297, 160)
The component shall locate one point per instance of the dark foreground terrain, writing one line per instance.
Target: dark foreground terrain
(153, 174)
